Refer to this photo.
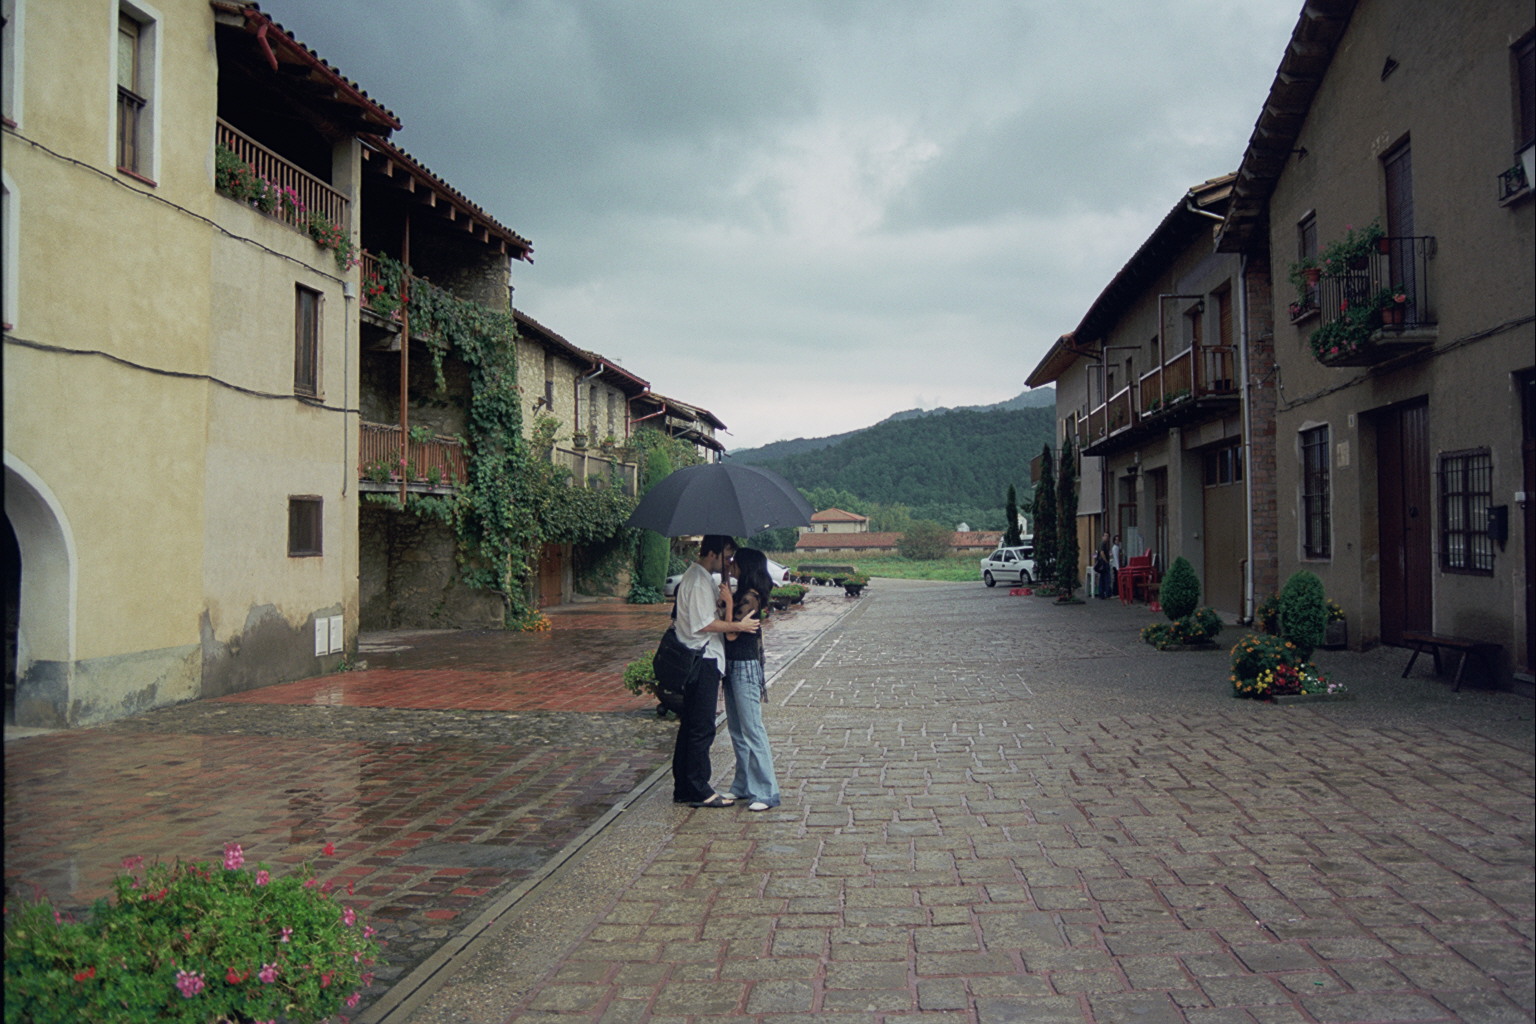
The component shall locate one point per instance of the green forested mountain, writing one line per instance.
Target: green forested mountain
(954, 463)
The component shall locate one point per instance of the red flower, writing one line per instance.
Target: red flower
(330, 850)
(235, 977)
(86, 975)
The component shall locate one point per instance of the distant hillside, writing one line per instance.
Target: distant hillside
(1036, 399)
(955, 457)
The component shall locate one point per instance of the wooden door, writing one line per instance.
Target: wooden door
(1528, 507)
(1224, 532)
(1403, 492)
(552, 574)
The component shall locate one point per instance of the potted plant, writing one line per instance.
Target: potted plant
(579, 440)
(1393, 303)
(1353, 251)
(1336, 631)
(854, 584)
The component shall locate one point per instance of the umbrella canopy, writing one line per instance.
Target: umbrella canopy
(725, 498)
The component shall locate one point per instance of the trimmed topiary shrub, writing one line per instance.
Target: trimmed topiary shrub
(1303, 612)
(1180, 592)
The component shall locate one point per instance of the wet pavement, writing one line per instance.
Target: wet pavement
(448, 769)
(996, 810)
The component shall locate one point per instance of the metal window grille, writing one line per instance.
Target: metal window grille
(1317, 528)
(1466, 491)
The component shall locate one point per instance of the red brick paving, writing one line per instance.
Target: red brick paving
(78, 801)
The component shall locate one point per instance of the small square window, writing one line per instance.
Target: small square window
(305, 526)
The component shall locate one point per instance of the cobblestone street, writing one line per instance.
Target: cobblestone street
(995, 810)
(999, 810)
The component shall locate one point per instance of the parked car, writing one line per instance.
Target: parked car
(776, 571)
(1015, 565)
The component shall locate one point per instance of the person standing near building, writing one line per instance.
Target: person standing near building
(746, 688)
(700, 626)
(1101, 566)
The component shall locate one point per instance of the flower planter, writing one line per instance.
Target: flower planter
(1311, 698)
(1313, 275)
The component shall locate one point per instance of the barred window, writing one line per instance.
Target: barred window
(306, 341)
(1316, 525)
(1466, 491)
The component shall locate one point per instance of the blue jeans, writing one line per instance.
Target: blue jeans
(744, 719)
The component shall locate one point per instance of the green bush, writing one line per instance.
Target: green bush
(642, 594)
(640, 676)
(1303, 612)
(193, 943)
(1199, 627)
(1180, 592)
(926, 541)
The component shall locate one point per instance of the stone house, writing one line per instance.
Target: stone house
(424, 239)
(694, 424)
(1404, 376)
(836, 520)
(1151, 388)
(180, 427)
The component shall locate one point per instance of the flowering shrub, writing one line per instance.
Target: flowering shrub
(1199, 627)
(193, 943)
(536, 622)
(1255, 657)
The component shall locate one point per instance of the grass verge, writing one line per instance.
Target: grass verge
(956, 568)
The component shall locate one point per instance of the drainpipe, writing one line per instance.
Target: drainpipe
(1189, 205)
(581, 383)
(1246, 612)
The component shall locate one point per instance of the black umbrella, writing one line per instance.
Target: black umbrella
(732, 499)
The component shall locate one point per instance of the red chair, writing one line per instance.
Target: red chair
(1137, 572)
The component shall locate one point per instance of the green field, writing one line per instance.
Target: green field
(965, 568)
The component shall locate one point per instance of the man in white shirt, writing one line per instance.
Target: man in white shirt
(699, 624)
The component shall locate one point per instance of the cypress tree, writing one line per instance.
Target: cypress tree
(655, 551)
(1011, 537)
(1067, 551)
(1045, 518)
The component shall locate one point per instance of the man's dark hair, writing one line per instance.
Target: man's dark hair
(715, 543)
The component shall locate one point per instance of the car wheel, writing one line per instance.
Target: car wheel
(986, 578)
(1024, 578)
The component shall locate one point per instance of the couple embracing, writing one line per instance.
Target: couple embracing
(727, 629)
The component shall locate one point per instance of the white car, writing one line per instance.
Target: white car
(776, 572)
(1014, 565)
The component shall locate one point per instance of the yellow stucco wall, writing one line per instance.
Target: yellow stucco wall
(143, 314)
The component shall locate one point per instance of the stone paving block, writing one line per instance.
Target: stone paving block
(718, 997)
(889, 974)
(1375, 1006)
(1483, 1007)
(776, 997)
(1134, 1008)
(1243, 990)
(1275, 956)
(881, 1001)
(1039, 1010)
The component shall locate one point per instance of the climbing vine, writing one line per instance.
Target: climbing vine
(515, 499)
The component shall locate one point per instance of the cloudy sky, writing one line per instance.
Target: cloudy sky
(805, 215)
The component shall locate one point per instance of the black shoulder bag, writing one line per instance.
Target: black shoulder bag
(675, 667)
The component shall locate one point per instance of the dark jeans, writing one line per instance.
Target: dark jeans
(695, 735)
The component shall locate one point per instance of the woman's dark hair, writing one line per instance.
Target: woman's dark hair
(752, 570)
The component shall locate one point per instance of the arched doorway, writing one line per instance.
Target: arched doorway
(40, 653)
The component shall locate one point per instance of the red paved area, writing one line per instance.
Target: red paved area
(571, 667)
(425, 830)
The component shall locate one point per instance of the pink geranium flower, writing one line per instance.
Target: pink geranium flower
(189, 983)
(267, 974)
(234, 857)
(262, 878)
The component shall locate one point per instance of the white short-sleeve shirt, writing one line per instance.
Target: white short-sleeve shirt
(697, 597)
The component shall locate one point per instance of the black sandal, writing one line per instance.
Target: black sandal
(713, 800)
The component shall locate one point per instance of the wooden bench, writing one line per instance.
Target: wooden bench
(1481, 649)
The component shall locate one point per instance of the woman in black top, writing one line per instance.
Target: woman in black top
(746, 688)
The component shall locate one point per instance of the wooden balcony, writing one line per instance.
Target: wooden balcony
(434, 466)
(597, 468)
(1197, 383)
(312, 195)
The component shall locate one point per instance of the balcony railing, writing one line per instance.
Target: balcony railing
(1183, 386)
(436, 462)
(591, 467)
(312, 194)
(1401, 267)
